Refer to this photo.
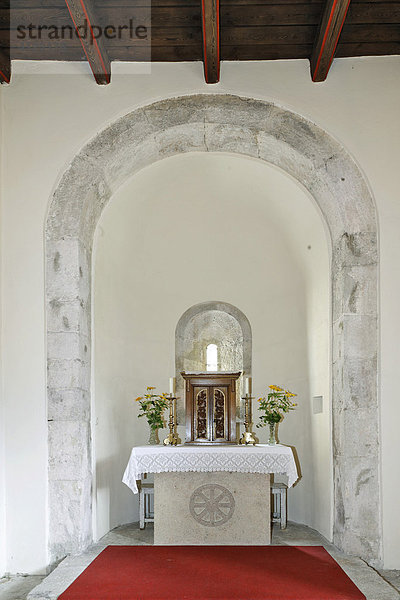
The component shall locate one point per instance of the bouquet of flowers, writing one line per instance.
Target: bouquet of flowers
(152, 407)
(277, 402)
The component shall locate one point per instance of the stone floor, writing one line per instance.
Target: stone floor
(17, 587)
(375, 586)
(392, 576)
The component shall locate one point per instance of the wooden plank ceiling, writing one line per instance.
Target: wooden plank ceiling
(208, 30)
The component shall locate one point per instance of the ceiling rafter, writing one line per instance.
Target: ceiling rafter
(211, 40)
(5, 65)
(327, 38)
(5, 59)
(82, 14)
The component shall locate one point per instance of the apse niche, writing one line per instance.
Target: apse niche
(209, 337)
(213, 341)
(183, 265)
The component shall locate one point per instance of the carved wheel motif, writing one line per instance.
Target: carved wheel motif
(212, 505)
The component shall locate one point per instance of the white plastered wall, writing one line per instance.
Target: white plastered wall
(3, 561)
(172, 238)
(319, 354)
(45, 125)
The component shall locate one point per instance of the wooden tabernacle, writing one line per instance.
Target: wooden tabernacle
(210, 407)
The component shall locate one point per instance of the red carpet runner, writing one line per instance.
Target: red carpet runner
(213, 573)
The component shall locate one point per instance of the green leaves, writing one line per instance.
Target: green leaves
(152, 407)
(275, 405)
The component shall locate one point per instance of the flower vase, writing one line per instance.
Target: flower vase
(272, 434)
(153, 438)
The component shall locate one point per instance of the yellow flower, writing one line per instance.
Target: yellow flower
(151, 388)
(278, 389)
(137, 399)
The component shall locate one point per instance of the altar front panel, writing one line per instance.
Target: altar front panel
(218, 508)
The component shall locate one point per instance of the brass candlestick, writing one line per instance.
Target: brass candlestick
(248, 438)
(172, 438)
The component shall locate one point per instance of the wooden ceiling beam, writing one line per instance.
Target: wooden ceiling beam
(329, 31)
(5, 59)
(5, 65)
(211, 40)
(83, 17)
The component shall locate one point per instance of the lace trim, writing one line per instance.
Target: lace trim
(241, 461)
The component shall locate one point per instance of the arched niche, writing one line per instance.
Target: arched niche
(218, 323)
(263, 131)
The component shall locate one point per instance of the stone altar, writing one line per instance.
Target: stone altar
(218, 508)
(211, 494)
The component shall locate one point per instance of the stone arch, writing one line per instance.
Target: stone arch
(254, 128)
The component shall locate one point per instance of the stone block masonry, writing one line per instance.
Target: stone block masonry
(254, 128)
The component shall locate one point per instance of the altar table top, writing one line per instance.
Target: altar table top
(240, 459)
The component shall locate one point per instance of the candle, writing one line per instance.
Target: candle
(172, 385)
(247, 386)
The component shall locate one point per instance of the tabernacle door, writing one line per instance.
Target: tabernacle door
(220, 413)
(201, 410)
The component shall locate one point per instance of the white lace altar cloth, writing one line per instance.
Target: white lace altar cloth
(240, 459)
